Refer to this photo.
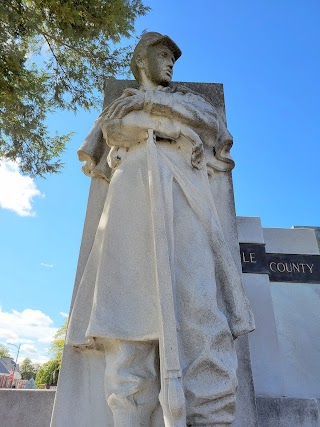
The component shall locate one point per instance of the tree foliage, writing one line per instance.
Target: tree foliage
(55, 54)
(48, 373)
(27, 369)
(4, 351)
(57, 345)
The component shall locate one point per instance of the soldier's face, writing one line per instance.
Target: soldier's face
(159, 64)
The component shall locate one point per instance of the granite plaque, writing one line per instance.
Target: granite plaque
(296, 268)
(253, 258)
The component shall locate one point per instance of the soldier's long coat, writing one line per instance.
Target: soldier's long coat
(117, 296)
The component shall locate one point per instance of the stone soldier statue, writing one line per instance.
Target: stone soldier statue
(148, 298)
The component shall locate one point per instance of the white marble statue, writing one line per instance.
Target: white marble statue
(147, 299)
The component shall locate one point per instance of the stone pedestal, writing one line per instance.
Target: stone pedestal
(284, 290)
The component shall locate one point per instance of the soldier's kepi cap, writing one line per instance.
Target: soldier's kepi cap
(152, 39)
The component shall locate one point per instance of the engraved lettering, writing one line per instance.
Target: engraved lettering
(270, 266)
(287, 267)
(244, 257)
(310, 268)
(296, 267)
(252, 257)
(302, 266)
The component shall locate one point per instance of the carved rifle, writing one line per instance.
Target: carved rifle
(172, 395)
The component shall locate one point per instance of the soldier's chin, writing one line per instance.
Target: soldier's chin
(165, 81)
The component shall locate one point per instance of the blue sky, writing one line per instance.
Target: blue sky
(266, 53)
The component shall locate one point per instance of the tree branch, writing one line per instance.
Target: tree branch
(70, 86)
(63, 43)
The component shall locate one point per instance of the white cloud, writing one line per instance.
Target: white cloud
(63, 314)
(7, 334)
(28, 348)
(16, 191)
(40, 359)
(44, 264)
(24, 340)
(31, 328)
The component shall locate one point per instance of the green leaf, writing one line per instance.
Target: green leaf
(56, 55)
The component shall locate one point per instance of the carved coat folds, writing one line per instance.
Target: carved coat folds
(117, 278)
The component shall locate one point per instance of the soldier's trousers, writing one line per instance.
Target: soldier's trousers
(208, 360)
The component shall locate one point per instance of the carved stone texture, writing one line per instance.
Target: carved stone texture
(158, 298)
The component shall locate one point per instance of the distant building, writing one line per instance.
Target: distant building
(7, 367)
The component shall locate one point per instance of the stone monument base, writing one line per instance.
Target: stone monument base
(32, 408)
(288, 412)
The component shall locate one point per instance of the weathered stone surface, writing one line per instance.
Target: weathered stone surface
(27, 408)
(273, 412)
(316, 230)
(246, 413)
(288, 412)
(285, 349)
(266, 362)
(249, 230)
(263, 342)
(291, 240)
(296, 309)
